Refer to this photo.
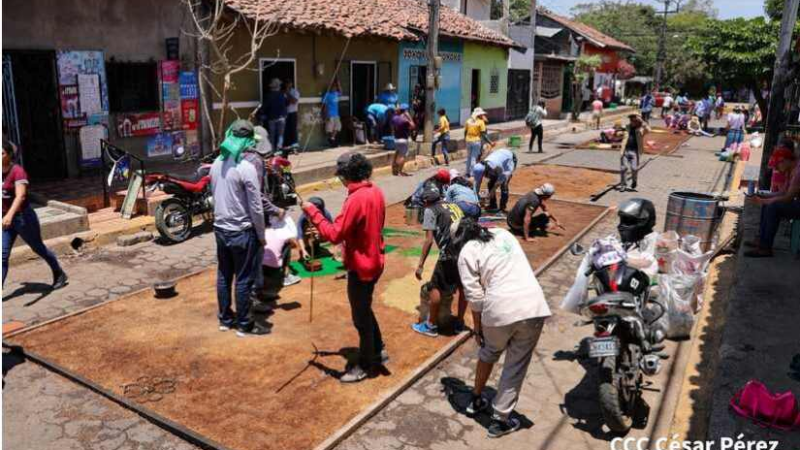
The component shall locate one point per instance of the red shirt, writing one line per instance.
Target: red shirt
(16, 175)
(360, 226)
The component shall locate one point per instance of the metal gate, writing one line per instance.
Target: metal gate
(10, 120)
(519, 88)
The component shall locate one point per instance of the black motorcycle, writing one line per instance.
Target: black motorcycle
(626, 343)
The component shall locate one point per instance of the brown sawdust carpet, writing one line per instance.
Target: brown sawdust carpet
(660, 141)
(571, 183)
(226, 387)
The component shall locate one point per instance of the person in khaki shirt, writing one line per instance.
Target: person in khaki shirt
(631, 152)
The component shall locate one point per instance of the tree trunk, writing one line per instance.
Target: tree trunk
(226, 85)
(760, 100)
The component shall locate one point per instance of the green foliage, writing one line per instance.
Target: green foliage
(774, 9)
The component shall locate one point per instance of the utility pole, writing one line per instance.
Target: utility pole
(534, 94)
(777, 97)
(434, 63)
(662, 41)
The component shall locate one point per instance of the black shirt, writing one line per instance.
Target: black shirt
(516, 217)
(633, 140)
(438, 219)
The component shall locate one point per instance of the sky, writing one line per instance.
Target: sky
(727, 8)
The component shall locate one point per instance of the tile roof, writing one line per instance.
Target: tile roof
(598, 38)
(392, 19)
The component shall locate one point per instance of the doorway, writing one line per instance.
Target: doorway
(518, 97)
(282, 69)
(362, 87)
(475, 89)
(41, 144)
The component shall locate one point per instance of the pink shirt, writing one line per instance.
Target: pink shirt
(277, 235)
(597, 106)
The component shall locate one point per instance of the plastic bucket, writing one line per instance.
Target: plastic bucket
(515, 141)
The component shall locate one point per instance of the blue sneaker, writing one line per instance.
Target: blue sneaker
(426, 329)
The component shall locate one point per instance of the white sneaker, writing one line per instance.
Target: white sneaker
(224, 328)
(290, 280)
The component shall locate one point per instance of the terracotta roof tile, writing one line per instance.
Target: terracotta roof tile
(588, 32)
(393, 19)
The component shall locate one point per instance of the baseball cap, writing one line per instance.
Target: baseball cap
(442, 176)
(546, 190)
(430, 194)
(242, 128)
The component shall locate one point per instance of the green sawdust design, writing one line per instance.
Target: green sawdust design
(389, 232)
(417, 251)
(389, 249)
(329, 267)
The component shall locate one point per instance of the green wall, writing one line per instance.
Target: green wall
(312, 52)
(489, 60)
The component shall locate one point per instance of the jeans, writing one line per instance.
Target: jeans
(275, 129)
(444, 139)
(771, 216)
(473, 153)
(26, 225)
(539, 223)
(629, 162)
(369, 333)
(290, 133)
(537, 132)
(494, 181)
(470, 209)
(237, 255)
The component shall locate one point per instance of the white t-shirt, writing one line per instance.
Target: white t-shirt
(668, 102)
(736, 121)
(277, 235)
(293, 94)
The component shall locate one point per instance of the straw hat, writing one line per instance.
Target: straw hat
(275, 83)
(389, 87)
(478, 112)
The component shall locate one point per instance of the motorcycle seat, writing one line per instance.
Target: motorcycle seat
(193, 187)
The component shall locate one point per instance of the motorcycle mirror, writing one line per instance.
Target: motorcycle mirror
(577, 249)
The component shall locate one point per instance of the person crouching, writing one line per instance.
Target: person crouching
(508, 311)
(521, 219)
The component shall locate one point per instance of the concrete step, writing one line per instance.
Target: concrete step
(56, 222)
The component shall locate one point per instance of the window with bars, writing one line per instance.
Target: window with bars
(552, 77)
(132, 86)
(494, 83)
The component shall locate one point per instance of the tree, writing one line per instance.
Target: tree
(739, 52)
(580, 72)
(774, 9)
(219, 28)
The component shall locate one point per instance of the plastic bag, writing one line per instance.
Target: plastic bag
(676, 293)
(756, 141)
(666, 248)
(579, 291)
(744, 152)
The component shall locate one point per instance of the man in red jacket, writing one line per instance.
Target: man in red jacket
(359, 227)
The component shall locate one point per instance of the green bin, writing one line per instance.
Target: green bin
(515, 141)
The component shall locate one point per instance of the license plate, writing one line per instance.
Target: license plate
(602, 347)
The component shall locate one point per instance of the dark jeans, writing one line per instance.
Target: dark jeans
(237, 255)
(537, 132)
(539, 224)
(290, 133)
(470, 209)
(771, 216)
(369, 333)
(493, 184)
(646, 116)
(26, 225)
(444, 139)
(629, 162)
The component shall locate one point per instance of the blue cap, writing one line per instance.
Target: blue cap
(403, 107)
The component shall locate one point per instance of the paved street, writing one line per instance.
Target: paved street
(558, 397)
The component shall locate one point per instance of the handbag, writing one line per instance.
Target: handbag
(755, 402)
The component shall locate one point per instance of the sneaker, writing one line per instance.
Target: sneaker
(290, 280)
(426, 329)
(60, 280)
(383, 357)
(459, 326)
(260, 307)
(477, 405)
(255, 330)
(501, 428)
(354, 375)
(223, 327)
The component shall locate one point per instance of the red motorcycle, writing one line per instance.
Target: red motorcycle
(190, 197)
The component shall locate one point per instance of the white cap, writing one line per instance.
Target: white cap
(454, 173)
(546, 190)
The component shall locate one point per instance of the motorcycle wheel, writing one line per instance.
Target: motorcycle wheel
(173, 220)
(611, 400)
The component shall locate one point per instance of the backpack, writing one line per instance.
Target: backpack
(529, 120)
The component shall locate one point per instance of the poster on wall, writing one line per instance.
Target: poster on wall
(89, 93)
(90, 137)
(70, 106)
(138, 124)
(159, 145)
(192, 144)
(169, 73)
(178, 144)
(83, 90)
(190, 103)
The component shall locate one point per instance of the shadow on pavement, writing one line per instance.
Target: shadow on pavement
(30, 288)
(459, 395)
(12, 358)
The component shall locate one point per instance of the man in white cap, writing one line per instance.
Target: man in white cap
(499, 168)
(521, 219)
(388, 96)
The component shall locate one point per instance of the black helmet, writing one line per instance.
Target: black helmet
(637, 217)
(430, 194)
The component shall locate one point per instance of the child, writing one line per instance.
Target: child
(443, 128)
(613, 135)
(281, 237)
(307, 234)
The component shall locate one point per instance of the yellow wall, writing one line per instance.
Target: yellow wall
(310, 51)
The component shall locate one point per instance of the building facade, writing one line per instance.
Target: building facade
(413, 68)
(484, 81)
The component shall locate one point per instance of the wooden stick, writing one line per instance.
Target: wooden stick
(311, 303)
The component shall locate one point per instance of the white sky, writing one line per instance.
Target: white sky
(727, 8)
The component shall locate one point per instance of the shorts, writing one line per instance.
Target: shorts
(445, 276)
(333, 124)
(597, 114)
(401, 146)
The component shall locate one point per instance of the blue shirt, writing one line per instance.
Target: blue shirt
(647, 103)
(378, 110)
(331, 102)
(457, 193)
(388, 98)
(503, 158)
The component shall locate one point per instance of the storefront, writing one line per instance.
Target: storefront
(412, 71)
(484, 80)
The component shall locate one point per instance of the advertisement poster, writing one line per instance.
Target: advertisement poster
(190, 110)
(72, 63)
(189, 89)
(178, 145)
(138, 124)
(172, 115)
(170, 95)
(90, 137)
(193, 143)
(190, 103)
(159, 145)
(70, 107)
(89, 92)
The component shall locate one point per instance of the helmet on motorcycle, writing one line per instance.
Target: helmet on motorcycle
(637, 217)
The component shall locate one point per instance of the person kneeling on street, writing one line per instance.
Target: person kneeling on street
(500, 165)
(359, 226)
(463, 194)
(508, 311)
(521, 219)
(441, 179)
(281, 238)
(439, 216)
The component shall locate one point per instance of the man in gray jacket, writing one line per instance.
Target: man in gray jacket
(238, 227)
